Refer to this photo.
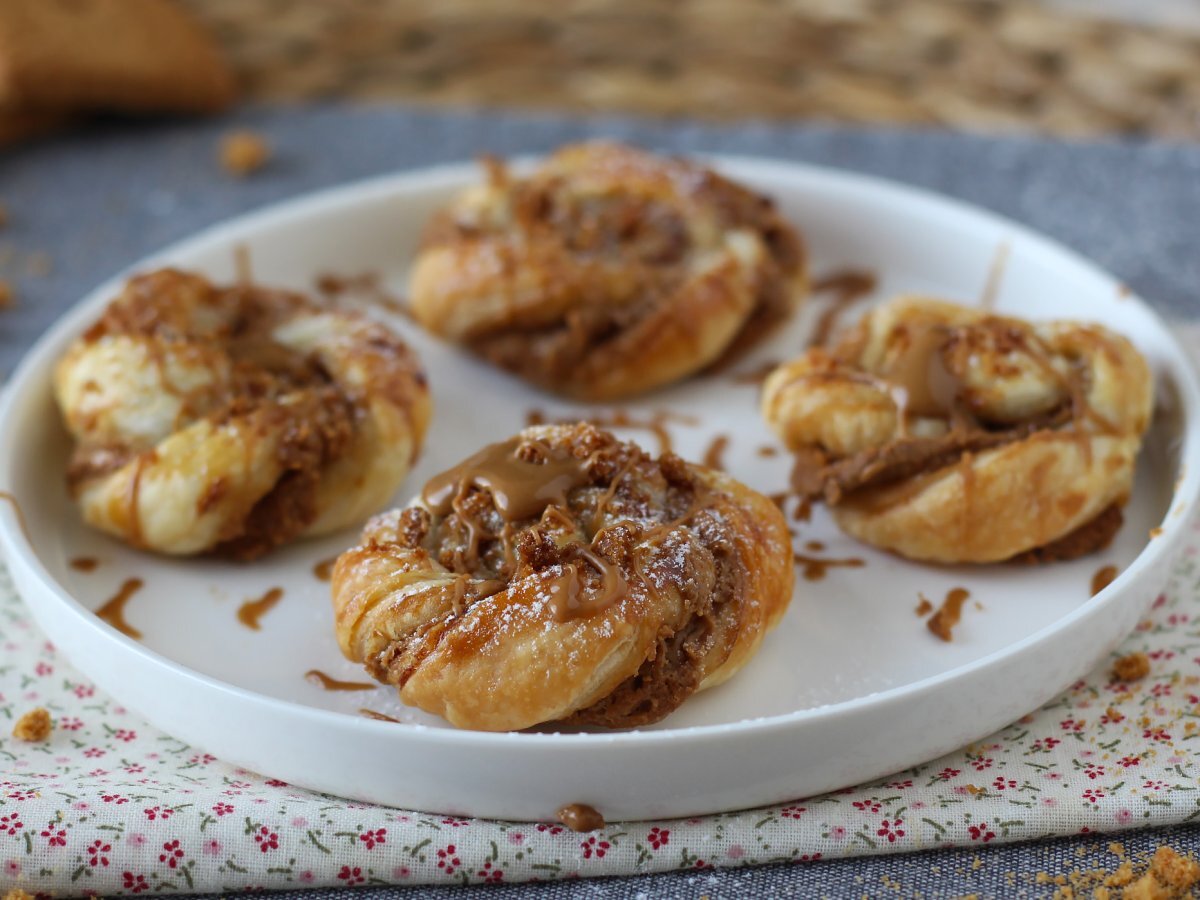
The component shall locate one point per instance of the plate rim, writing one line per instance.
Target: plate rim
(22, 384)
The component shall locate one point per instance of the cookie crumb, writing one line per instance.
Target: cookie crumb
(1133, 667)
(244, 153)
(35, 725)
(1170, 875)
(7, 298)
(580, 817)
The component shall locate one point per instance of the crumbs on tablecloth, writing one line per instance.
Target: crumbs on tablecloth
(1165, 876)
(1133, 667)
(35, 725)
(244, 152)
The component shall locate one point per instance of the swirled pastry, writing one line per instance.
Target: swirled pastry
(564, 576)
(234, 419)
(951, 435)
(608, 271)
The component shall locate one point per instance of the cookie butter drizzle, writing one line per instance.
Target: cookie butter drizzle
(323, 570)
(522, 488)
(847, 286)
(20, 514)
(252, 610)
(943, 621)
(329, 683)
(713, 456)
(815, 569)
(580, 817)
(1103, 578)
(619, 418)
(113, 611)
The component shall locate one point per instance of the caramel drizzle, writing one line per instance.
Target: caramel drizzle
(1103, 578)
(252, 610)
(113, 611)
(815, 569)
(84, 563)
(943, 621)
(323, 570)
(847, 287)
(766, 451)
(924, 607)
(320, 679)
(716, 449)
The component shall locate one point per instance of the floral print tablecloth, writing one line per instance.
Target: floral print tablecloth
(110, 805)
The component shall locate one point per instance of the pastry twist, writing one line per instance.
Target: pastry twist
(608, 271)
(564, 576)
(234, 419)
(951, 435)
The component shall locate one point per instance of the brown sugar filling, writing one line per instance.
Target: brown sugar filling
(599, 500)
(317, 422)
(645, 240)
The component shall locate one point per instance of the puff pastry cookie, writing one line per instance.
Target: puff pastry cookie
(563, 576)
(608, 271)
(234, 419)
(947, 434)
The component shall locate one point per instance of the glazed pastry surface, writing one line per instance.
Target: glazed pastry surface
(608, 271)
(234, 419)
(564, 577)
(948, 434)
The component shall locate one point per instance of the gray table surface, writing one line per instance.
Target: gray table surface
(87, 205)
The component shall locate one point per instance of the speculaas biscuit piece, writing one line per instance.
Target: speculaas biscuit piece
(122, 55)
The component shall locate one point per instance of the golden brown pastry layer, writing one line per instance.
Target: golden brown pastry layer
(948, 434)
(565, 577)
(608, 271)
(235, 419)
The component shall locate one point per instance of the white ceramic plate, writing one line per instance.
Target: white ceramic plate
(851, 686)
